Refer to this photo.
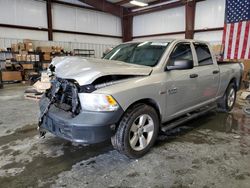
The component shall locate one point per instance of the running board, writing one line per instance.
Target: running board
(189, 116)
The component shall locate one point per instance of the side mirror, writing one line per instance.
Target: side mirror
(181, 64)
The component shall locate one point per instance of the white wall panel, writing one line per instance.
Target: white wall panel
(179, 36)
(23, 34)
(85, 38)
(84, 20)
(169, 20)
(23, 12)
(210, 36)
(210, 14)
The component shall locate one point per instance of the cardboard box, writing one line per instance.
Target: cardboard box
(33, 58)
(246, 65)
(23, 57)
(21, 46)
(217, 49)
(28, 58)
(18, 57)
(45, 49)
(11, 76)
(23, 52)
(29, 46)
(57, 49)
(246, 69)
(46, 57)
(14, 48)
(28, 66)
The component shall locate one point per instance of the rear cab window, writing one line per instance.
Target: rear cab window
(203, 54)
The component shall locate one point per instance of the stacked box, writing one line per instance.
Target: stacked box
(28, 58)
(33, 58)
(18, 57)
(14, 48)
(11, 76)
(46, 57)
(45, 49)
(28, 66)
(28, 45)
(21, 46)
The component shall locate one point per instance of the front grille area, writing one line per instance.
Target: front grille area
(66, 95)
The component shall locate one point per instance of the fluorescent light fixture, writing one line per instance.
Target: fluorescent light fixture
(138, 3)
(152, 6)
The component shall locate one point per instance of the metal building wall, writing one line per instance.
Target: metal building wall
(33, 13)
(166, 21)
(210, 14)
(99, 48)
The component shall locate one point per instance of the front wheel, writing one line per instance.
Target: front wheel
(137, 131)
(227, 102)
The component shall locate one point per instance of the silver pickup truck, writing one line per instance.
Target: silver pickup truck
(136, 91)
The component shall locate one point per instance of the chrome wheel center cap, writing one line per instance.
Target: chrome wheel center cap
(140, 131)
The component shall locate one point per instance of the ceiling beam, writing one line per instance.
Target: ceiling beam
(156, 8)
(74, 5)
(105, 6)
(122, 2)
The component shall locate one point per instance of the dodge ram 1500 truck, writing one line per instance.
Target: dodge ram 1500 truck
(137, 90)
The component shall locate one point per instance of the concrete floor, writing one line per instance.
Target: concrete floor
(212, 151)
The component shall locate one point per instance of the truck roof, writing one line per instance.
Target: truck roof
(167, 40)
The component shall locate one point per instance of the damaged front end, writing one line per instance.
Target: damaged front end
(64, 95)
(76, 104)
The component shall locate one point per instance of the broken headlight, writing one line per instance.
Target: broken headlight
(98, 102)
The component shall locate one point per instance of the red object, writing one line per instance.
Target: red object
(236, 40)
(236, 35)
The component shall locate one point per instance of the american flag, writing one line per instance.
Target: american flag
(236, 35)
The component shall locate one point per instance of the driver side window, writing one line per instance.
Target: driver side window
(182, 51)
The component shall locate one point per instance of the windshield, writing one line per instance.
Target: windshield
(146, 53)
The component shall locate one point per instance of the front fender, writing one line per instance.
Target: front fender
(133, 90)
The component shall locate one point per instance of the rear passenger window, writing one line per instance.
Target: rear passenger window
(203, 54)
(182, 51)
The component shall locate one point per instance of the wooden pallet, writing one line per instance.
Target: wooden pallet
(32, 96)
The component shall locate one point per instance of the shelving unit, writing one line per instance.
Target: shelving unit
(84, 52)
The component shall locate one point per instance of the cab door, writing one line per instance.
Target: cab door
(208, 73)
(181, 85)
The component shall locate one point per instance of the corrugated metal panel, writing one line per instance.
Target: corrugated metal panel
(170, 20)
(210, 14)
(210, 36)
(84, 20)
(23, 34)
(23, 12)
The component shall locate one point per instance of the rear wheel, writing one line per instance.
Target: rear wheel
(137, 131)
(226, 103)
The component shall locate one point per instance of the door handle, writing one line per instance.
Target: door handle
(216, 72)
(193, 75)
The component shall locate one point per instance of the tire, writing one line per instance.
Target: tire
(226, 103)
(137, 131)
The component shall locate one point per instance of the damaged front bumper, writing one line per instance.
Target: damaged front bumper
(86, 127)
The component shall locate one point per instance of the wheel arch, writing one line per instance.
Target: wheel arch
(235, 82)
(150, 102)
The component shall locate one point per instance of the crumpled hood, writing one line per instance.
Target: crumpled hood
(87, 70)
